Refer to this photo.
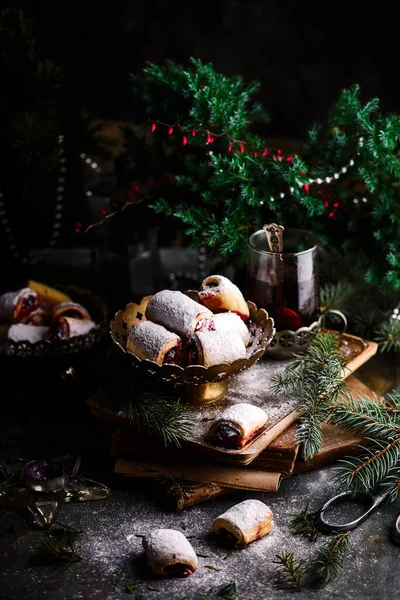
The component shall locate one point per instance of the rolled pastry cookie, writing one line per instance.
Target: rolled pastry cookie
(245, 522)
(70, 309)
(215, 348)
(178, 313)
(36, 317)
(229, 321)
(218, 293)
(30, 333)
(169, 553)
(237, 425)
(15, 306)
(65, 328)
(150, 341)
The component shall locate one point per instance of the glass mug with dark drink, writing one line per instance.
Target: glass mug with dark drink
(286, 283)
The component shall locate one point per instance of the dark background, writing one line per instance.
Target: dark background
(303, 53)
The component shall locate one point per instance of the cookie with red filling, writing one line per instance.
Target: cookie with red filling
(237, 425)
(244, 523)
(219, 294)
(148, 340)
(169, 553)
(16, 306)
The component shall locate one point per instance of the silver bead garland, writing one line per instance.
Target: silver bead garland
(58, 212)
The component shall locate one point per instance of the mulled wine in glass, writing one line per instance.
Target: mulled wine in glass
(285, 284)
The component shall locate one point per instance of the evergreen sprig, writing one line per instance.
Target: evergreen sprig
(61, 549)
(368, 311)
(159, 414)
(317, 380)
(305, 524)
(221, 197)
(290, 572)
(387, 335)
(330, 557)
(176, 486)
(379, 423)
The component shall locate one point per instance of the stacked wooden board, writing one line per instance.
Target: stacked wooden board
(213, 471)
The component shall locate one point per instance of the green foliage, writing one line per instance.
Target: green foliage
(317, 380)
(290, 572)
(368, 311)
(175, 486)
(388, 335)
(305, 524)
(158, 414)
(221, 197)
(60, 547)
(379, 424)
(330, 557)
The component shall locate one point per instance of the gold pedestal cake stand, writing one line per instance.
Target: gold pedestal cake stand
(200, 385)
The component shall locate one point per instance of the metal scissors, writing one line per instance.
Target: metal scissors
(371, 502)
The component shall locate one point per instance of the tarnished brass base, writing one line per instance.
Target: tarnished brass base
(205, 393)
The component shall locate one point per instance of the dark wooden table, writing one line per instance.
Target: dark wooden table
(49, 425)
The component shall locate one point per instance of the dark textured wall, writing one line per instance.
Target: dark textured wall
(303, 53)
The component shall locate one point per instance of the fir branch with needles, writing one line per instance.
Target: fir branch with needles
(175, 486)
(338, 296)
(378, 421)
(151, 408)
(290, 572)
(317, 380)
(60, 548)
(228, 590)
(305, 524)
(387, 336)
(330, 557)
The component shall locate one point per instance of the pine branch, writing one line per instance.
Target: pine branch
(61, 551)
(159, 415)
(305, 524)
(372, 469)
(176, 486)
(387, 336)
(290, 572)
(338, 296)
(379, 423)
(317, 380)
(228, 590)
(330, 557)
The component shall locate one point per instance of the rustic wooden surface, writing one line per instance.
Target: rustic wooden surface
(109, 542)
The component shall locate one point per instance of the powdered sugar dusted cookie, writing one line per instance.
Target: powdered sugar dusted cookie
(245, 522)
(148, 340)
(209, 348)
(65, 328)
(70, 309)
(229, 321)
(16, 306)
(237, 425)
(169, 553)
(178, 313)
(30, 333)
(220, 294)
